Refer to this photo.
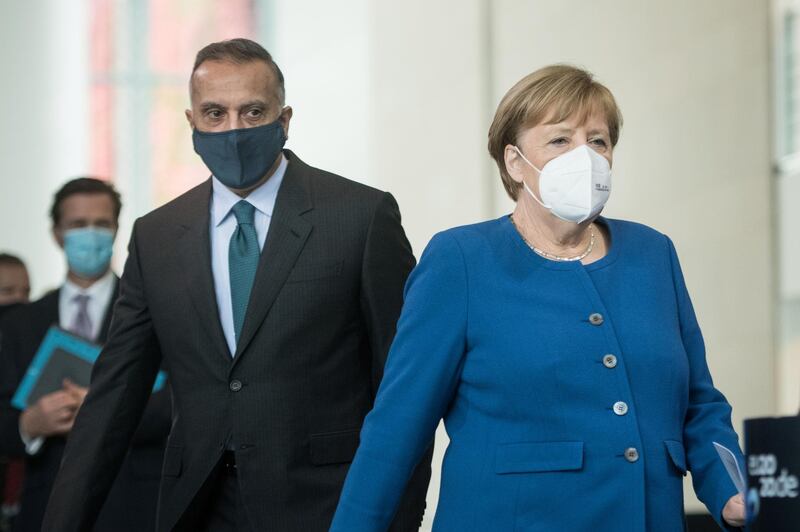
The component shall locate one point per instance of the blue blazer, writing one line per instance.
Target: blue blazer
(575, 397)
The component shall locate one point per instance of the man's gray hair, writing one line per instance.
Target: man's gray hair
(240, 51)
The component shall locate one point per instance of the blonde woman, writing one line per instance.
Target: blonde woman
(560, 347)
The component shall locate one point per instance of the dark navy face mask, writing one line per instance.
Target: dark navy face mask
(239, 158)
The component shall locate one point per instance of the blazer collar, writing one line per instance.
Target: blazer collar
(287, 235)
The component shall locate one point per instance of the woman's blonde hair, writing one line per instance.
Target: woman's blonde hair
(553, 93)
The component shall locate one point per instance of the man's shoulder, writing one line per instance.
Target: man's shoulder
(328, 185)
(190, 202)
(26, 311)
(31, 316)
(327, 189)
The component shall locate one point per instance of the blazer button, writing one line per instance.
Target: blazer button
(631, 454)
(596, 319)
(610, 361)
(235, 385)
(620, 408)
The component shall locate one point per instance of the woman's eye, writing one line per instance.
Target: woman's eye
(561, 141)
(599, 142)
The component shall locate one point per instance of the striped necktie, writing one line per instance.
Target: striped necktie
(82, 323)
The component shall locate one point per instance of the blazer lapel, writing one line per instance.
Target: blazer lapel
(194, 250)
(288, 233)
(103, 334)
(52, 315)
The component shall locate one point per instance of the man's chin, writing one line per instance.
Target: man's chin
(90, 278)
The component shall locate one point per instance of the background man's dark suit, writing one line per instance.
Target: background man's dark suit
(321, 317)
(131, 503)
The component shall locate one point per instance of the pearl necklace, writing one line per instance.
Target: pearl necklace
(551, 256)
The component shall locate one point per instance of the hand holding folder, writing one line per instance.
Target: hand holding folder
(53, 413)
(734, 510)
(62, 357)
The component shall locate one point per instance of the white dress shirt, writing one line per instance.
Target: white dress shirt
(223, 224)
(100, 294)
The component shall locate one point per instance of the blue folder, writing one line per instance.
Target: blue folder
(61, 355)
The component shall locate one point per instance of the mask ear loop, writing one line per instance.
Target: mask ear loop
(524, 184)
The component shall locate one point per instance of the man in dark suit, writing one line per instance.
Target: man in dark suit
(275, 355)
(85, 214)
(15, 289)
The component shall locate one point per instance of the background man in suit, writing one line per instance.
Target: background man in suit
(85, 214)
(274, 356)
(15, 289)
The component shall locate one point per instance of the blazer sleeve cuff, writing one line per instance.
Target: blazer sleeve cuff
(717, 501)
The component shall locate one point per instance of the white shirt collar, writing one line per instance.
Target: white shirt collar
(101, 287)
(263, 198)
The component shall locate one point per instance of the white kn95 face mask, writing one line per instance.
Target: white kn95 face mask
(574, 186)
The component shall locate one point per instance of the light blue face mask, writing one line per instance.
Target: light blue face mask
(89, 250)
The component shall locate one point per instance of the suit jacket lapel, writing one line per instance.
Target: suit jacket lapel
(52, 312)
(287, 235)
(103, 334)
(194, 250)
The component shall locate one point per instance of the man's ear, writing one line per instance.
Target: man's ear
(188, 113)
(286, 117)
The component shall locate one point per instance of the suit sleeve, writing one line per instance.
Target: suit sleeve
(708, 418)
(387, 261)
(421, 376)
(122, 379)
(156, 420)
(386, 264)
(10, 376)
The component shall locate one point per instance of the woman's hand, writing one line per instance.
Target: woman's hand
(733, 513)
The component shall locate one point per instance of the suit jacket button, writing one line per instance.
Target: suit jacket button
(610, 361)
(631, 454)
(596, 319)
(620, 408)
(235, 385)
